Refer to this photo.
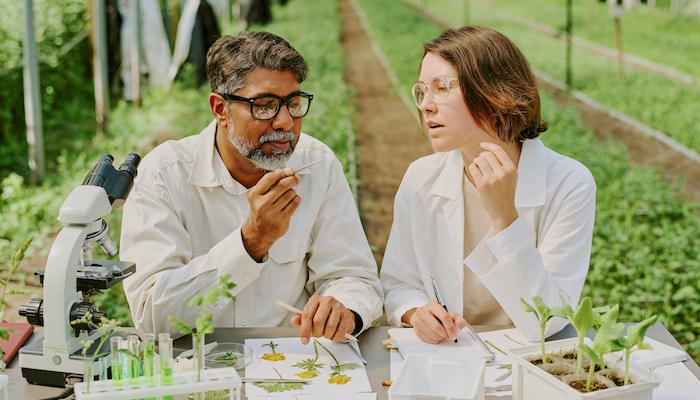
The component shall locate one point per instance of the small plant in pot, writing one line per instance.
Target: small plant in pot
(581, 368)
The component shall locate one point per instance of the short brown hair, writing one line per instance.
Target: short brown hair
(231, 58)
(496, 81)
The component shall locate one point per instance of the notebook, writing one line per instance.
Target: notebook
(468, 345)
(16, 340)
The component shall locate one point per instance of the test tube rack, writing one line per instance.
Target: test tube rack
(183, 384)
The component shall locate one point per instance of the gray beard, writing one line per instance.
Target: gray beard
(266, 162)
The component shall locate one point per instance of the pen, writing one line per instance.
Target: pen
(437, 296)
(298, 312)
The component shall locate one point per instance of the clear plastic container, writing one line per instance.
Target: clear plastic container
(226, 355)
(425, 377)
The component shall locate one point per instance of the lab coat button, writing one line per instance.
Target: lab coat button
(246, 276)
(244, 322)
(301, 250)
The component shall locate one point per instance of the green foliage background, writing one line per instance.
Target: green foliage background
(645, 253)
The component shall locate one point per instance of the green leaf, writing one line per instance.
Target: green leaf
(583, 317)
(346, 367)
(527, 307)
(562, 311)
(180, 325)
(592, 354)
(277, 387)
(635, 333)
(309, 364)
(196, 301)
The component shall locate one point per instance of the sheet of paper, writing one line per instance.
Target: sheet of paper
(679, 383)
(409, 343)
(338, 370)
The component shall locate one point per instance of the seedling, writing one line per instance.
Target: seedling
(635, 336)
(108, 327)
(544, 314)
(203, 323)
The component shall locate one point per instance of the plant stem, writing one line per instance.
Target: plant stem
(544, 354)
(627, 366)
(591, 371)
(331, 354)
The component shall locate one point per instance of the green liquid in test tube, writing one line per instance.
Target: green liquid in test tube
(115, 343)
(149, 362)
(165, 352)
(134, 359)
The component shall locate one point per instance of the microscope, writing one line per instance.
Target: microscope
(72, 276)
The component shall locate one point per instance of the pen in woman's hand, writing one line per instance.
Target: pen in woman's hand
(438, 297)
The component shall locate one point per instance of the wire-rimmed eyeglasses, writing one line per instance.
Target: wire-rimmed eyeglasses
(439, 89)
(266, 107)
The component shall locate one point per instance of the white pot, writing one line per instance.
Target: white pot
(533, 383)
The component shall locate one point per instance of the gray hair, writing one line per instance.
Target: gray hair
(231, 58)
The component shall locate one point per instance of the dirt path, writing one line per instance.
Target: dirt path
(643, 151)
(388, 137)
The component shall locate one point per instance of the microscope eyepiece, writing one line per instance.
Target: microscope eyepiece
(129, 165)
(117, 183)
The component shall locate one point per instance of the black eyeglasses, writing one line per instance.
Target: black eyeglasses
(267, 107)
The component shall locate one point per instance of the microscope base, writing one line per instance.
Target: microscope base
(40, 370)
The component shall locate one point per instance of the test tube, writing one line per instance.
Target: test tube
(134, 358)
(115, 343)
(149, 362)
(165, 352)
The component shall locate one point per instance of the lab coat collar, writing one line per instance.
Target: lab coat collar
(209, 170)
(531, 189)
(449, 182)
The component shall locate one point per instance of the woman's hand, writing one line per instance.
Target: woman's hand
(433, 324)
(495, 177)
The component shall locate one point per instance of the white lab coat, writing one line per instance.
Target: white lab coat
(182, 227)
(545, 252)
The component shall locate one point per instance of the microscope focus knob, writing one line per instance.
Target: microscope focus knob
(79, 310)
(34, 311)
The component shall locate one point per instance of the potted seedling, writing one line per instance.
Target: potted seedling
(544, 314)
(531, 364)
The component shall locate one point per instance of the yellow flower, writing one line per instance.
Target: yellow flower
(274, 357)
(339, 379)
(307, 374)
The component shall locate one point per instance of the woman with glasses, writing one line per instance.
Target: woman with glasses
(252, 197)
(493, 216)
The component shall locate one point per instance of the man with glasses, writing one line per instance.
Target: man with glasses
(233, 200)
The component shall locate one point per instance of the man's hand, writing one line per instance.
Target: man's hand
(273, 201)
(433, 324)
(324, 316)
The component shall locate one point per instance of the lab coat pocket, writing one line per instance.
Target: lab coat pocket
(290, 248)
